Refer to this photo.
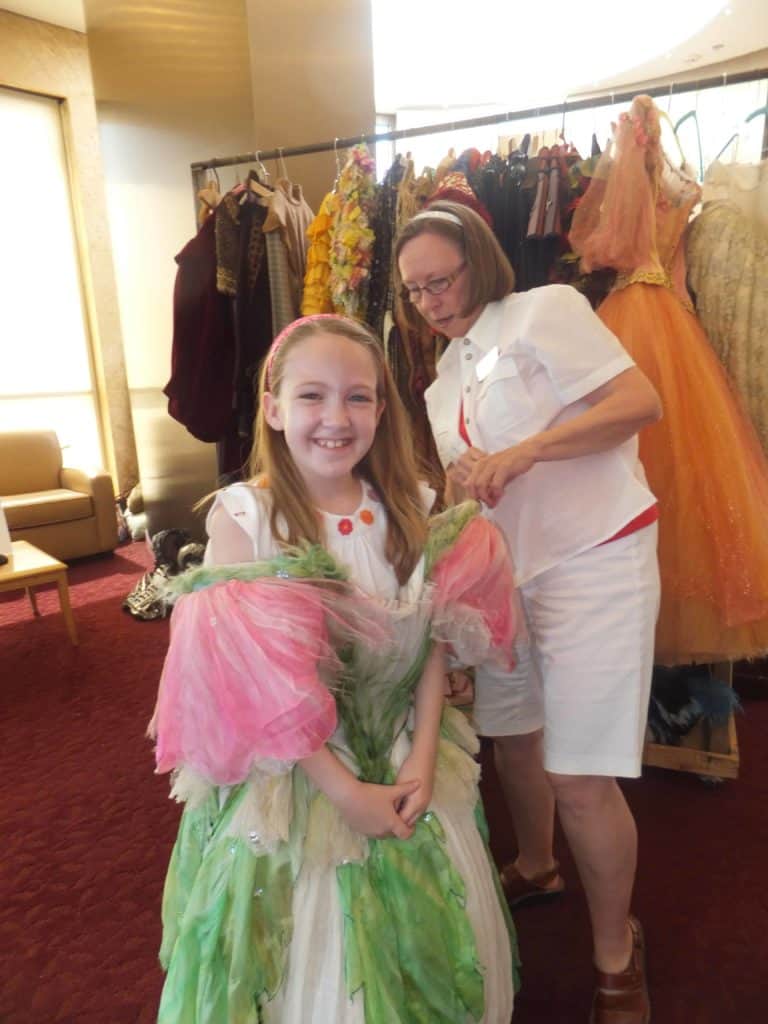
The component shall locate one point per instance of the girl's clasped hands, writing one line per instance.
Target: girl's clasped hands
(381, 811)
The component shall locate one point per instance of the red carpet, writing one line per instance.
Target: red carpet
(87, 830)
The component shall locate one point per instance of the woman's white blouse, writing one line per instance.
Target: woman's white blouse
(527, 364)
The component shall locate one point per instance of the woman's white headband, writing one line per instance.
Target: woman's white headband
(438, 215)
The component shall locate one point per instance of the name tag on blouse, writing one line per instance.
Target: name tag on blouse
(487, 363)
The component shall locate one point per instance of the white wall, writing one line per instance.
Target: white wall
(172, 86)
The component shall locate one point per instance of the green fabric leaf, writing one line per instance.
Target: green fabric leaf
(409, 944)
(194, 830)
(227, 919)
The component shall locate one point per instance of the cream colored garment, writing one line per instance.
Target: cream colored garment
(727, 257)
(290, 215)
(746, 185)
(282, 286)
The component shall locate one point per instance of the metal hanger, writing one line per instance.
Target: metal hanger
(257, 178)
(756, 113)
(737, 134)
(692, 114)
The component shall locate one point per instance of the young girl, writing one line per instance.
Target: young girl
(331, 865)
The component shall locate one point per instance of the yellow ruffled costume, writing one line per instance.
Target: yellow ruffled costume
(317, 289)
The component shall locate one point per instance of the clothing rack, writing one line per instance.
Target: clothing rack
(713, 756)
(563, 108)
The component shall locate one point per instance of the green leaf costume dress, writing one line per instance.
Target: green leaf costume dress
(274, 910)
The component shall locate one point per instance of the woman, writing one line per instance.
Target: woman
(535, 411)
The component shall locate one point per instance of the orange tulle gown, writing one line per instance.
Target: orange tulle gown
(703, 460)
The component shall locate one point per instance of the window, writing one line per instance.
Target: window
(45, 372)
(385, 151)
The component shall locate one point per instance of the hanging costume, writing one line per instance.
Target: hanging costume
(317, 291)
(285, 231)
(703, 460)
(275, 911)
(199, 391)
(222, 328)
(727, 256)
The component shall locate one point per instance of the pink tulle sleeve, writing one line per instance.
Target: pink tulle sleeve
(475, 606)
(241, 679)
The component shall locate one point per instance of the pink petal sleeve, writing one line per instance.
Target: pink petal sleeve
(241, 679)
(475, 604)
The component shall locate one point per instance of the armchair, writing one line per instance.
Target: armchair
(65, 512)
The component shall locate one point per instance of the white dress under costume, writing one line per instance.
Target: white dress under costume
(274, 911)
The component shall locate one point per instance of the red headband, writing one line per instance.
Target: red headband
(286, 333)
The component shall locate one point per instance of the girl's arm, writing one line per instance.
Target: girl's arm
(228, 543)
(619, 408)
(420, 763)
(366, 807)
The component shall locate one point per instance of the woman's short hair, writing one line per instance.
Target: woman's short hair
(491, 276)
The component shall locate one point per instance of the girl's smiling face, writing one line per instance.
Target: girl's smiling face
(328, 409)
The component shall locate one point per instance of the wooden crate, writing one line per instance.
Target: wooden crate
(701, 760)
(711, 751)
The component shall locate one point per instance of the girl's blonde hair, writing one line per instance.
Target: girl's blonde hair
(389, 466)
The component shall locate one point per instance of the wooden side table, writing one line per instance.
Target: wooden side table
(28, 567)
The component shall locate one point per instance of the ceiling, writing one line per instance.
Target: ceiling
(511, 54)
(67, 13)
(741, 27)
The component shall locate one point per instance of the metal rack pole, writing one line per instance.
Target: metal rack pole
(563, 108)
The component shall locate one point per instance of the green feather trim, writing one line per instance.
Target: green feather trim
(370, 714)
(310, 561)
(444, 530)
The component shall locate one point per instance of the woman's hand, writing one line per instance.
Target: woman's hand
(491, 474)
(458, 688)
(460, 471)
(422, 770)
(375, 811)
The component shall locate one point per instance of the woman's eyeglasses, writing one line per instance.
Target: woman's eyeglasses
(438, 285)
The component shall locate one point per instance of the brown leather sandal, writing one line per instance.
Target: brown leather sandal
(623, 998)
(538, 889)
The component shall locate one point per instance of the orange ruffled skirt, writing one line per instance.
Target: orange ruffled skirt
(705, 465)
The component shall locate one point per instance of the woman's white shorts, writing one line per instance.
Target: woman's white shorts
(584, 672)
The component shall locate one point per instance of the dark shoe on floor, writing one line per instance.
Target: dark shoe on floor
(623, 998)
(538, 889)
